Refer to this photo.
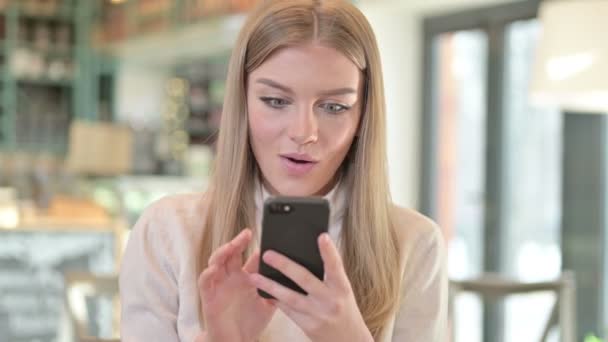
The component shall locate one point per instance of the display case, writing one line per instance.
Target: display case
(49, 72)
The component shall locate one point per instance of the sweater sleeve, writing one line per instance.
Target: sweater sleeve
(422, 315)
(148, 285)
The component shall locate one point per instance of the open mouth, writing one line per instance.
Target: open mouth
(298, 165)
(298, 161)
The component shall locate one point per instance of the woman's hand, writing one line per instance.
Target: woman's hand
(232, 309)
(329, 312)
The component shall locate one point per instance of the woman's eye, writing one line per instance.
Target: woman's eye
(334, 108)
(274, 102)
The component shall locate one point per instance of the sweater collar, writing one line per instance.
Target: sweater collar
(336, 198)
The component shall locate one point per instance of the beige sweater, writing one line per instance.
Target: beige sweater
(158, 280)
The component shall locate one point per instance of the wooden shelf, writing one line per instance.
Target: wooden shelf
(45, 82)
(60, 16)
(170, 15)
(51, 52)
(58, 224)
(67, 22)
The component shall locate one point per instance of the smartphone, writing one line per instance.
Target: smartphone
(291, 226)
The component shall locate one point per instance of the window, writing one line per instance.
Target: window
(491, 164)
(534, 141)
(460, 94)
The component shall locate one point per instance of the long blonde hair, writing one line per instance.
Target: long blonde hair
(370, 249)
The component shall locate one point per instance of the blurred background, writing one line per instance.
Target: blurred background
(496, 129)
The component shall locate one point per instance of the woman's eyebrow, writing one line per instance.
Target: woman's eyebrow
(339, 91)
(274, 84)
(332, 92)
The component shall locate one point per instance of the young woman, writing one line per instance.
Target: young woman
(303, 115)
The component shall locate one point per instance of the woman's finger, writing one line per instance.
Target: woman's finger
(296, 272)
(253, 263)
(207, 279)
(332, 262)
(222, 254)
(241, 242)
(295, 316)
(294, 300)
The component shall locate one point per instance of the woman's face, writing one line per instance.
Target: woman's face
(304, 106)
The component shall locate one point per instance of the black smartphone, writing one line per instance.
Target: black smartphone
(291, 226)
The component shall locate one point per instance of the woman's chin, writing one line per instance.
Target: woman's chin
(293, 189)
(297, 192)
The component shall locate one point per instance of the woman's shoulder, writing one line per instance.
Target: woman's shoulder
(412, 225)
(180, 204)
(415, 231)
(424, 286)
(178, 217)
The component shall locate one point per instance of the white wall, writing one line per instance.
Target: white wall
(398, 29)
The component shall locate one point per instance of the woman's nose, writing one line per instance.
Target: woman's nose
(304, 128)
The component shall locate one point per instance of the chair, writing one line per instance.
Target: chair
(80, 286)
(494, 286)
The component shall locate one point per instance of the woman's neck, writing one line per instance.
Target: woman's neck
(322, 192)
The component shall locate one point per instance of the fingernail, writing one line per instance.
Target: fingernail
(243, 234)
(270, 256)
(325, 238)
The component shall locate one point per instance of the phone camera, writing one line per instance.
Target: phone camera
(281, 208)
